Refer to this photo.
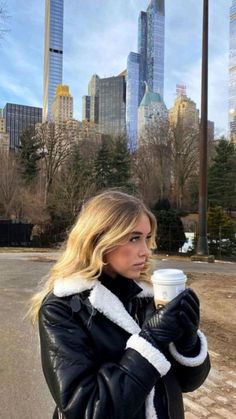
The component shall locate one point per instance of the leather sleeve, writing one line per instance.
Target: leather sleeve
(191, 371)
(80, 386)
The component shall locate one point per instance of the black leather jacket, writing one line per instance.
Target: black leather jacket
(95, 364)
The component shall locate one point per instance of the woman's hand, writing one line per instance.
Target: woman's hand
(165, 325)
(190, 318)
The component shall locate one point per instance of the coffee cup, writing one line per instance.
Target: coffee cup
(167, 284)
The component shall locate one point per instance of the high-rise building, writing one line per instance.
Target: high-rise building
(86, 108)
(152, 110)
(90, 102)
(62, 106)
(53, 53)
(232, 73)
(105, 104)
(112, 105)
(184, 110)
(148, 64)
(4, 136)
(132, 98)
(18, 118)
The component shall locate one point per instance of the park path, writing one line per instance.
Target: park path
(216, 398)
(24, 394)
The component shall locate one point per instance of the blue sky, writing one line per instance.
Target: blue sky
(99, 34)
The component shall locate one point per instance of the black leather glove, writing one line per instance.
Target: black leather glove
(165, 325)
(189, 317)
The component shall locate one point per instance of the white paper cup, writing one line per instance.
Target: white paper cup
(167, 284)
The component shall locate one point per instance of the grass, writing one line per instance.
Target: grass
(27, 249)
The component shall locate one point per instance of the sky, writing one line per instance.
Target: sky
(98, 36)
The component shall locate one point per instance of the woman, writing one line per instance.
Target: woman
(107, 353)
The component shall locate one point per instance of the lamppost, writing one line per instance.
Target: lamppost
(202, 244)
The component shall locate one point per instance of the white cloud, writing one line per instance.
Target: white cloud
(99, 34)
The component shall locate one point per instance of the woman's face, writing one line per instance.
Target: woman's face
(129, 259)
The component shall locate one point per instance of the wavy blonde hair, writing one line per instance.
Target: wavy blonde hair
(104, 222)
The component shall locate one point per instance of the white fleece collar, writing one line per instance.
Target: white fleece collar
(102, 299)
(107, 303)
(63, 287)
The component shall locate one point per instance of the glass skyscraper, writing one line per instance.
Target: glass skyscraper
(53, 53)
(18, 118)
(232, 70)
(112, 103)
(105, 104)
(132, 98)
(148, 64)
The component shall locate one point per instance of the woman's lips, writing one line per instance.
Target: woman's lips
(139, 265)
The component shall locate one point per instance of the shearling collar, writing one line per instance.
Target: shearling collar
(64, 287)
(102, 299)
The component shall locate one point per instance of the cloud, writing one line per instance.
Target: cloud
(99, 34)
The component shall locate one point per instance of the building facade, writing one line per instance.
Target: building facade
(105, 104)
(184, 110)
(4, 136)
(90, 102)
(112, 105)
(17, 118)
(148, 64)
(152, 110)
(53, 53)
(132, 98)
(62, 106)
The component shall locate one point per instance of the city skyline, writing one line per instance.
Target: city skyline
(147, 65)
(96, 43)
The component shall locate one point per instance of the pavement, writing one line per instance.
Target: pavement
(24, 394)
(216, 398)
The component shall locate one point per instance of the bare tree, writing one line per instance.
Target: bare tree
(184, 153)
(10, 185)
(55, 146)
(75, 182)
(151, 162)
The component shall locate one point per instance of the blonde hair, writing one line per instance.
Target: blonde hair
(104, 222)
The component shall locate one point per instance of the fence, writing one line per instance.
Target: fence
(221, 243)
(15, 233)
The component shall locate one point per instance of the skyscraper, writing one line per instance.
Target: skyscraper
(90, 102)
(111, 117)
(62, 106)
(105, 103)
(152, 110)
(232, 72)
(53, 53)
(148, 64)
(18, 118)
(184, 111)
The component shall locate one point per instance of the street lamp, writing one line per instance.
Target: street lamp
(202, 245)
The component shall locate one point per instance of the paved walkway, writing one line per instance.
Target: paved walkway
(20, 357)
(216, 399)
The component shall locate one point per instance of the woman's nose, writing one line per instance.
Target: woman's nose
(144, 250)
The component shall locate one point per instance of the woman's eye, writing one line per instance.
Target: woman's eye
(134, 239)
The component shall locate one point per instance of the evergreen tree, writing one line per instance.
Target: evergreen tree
(222, 176)
(103, 167)
(221, 232)
(162, 204)
(121, 163)
(29, 154)
(170, 230)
